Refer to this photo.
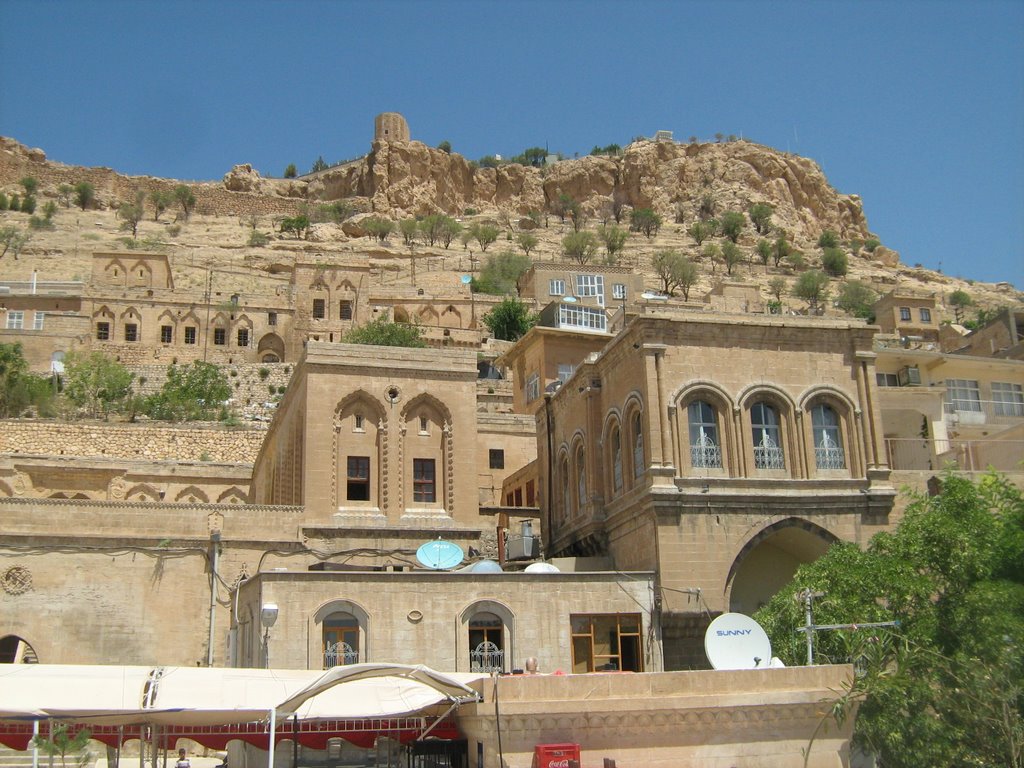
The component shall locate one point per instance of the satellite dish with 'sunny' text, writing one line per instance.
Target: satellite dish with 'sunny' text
(736, 641)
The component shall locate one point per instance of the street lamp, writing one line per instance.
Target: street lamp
(268, 617)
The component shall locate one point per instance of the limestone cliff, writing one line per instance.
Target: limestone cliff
(403, 178)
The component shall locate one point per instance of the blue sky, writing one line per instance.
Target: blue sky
(916, 106)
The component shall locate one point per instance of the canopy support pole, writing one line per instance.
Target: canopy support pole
(35, 744)
(437, 722)
(273, 732)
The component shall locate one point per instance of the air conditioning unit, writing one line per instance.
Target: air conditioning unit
(909, 376)
(525, 546)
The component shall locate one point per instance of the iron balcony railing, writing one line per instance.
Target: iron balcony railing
(339, 654)
(486, 657)
(967, 412)
(928, 454)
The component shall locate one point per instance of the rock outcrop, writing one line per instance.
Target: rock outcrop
(410, 178)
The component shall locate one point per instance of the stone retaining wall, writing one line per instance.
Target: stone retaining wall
(149, 441)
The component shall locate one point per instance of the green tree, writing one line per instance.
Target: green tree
(794, 260)
(378, 227)
(579, 247)
(764, 251)
(450, 229)
(319, 165)
(857, 298)
(835, 261)
(946, 687)
(777, 287)
(960, 300)
(290, 172)
(131, 212)
(62, 743)
(431, 227)
(297, 225)
(446, 147)
(731, 256)
(708, 207)
(19, 388)
(675, 271)
(562, 206)
(731, 225)
(614, 240)
(95, 383)
(645, 220)
(85, 195)
(184, 197)
(527, 241)
(193, 392)
(871, 244)
(31, 185)
(28, 204)
(13, 240)
(510, 319)
(761, 217)
(384, 333)
(700, 232)
(500, 273)
(484, 233)
(713, 254)
(828, 239)
(488, 161)
(161, 200)
(410, 229)
(812, 287)
(535, 156)
(64, 193)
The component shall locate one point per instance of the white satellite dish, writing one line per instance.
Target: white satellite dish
(466, 279)
(736, 641)
(439, 555)
(569, 300)
(541, 568)
(486, 566)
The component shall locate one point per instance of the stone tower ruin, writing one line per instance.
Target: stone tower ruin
(390, 126)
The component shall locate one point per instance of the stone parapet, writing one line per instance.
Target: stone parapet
(147, 441)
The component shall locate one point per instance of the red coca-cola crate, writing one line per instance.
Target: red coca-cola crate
(555, 755)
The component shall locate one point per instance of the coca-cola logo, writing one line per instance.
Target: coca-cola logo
(564, 763)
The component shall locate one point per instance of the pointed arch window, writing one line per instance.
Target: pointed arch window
(705, 448)
(764, 421)
(581, 479)
(616, 460)
(486, 643)
(828, 441)
(566, 499)
(638, 445)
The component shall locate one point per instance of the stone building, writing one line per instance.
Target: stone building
(719, 452)
(390, 126)
(913, 316)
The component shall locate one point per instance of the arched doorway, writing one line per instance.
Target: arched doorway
(769, 560)
(270, 349)
(15, 650)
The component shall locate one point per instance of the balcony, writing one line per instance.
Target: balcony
(974, 413)
(926, 454)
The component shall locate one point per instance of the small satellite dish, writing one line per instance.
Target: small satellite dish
(736, 641)
(466, 279)
(541, 568)
(439, 555)
(569, 300)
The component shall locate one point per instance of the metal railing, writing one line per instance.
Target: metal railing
(927, 454)
(978, 412)
(338, 654)
(486, 657)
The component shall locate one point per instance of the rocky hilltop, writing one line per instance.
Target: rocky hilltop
(401, 179)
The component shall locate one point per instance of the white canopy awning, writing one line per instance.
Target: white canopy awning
(111, 695)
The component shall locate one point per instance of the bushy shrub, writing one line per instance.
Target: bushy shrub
(835, 262)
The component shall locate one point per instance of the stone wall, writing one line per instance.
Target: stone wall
(146, 441)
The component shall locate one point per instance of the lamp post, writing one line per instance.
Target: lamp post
(268, 617)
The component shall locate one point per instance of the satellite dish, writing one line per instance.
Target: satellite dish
(486, 566)
(466, 279)
(736, 641)
(439, 555)
(569, 300)
(541, 568)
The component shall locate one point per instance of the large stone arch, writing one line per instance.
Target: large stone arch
(769, 558)
(316, 637)
(270, 349)
(508, 621)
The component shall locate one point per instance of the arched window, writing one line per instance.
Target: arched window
(486, 643)
(705, 448)
(341, 639)
(764, 420)
(638, 445)
(616, 460)
(828, 442)
(566, 497)
(581, 479)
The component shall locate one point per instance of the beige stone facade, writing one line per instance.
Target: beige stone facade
(912, 316)
(390, 126)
